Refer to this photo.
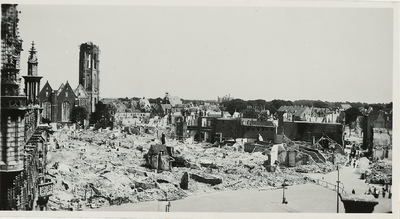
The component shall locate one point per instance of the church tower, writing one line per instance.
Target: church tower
(32, 80)
(89, 72)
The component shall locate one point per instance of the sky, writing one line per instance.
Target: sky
(201, 52)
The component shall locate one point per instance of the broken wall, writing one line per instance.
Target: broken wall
(305, 131)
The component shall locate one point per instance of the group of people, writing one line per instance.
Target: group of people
(376, 192)
(354, 157)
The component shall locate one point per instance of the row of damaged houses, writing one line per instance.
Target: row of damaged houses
(311, 114)
(130, 112)
(208, 123)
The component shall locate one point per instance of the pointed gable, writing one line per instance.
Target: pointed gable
(80, 92)
(60, 89)
(45, 88)
(46, 93)
(66, 91)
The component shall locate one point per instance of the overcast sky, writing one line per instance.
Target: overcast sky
(291, 53)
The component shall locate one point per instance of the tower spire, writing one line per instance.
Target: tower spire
(32, 80)
(32, 60)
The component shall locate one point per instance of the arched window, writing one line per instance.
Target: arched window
(65, 111)
(46, 110)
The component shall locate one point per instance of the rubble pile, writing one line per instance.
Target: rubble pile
(381, 172)
(94, 169)
(375, 172)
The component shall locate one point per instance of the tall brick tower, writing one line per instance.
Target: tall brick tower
(32, 80)
(89, 71)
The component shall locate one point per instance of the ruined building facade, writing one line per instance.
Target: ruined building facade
(23, 141)
(89, 71)
(58, 104)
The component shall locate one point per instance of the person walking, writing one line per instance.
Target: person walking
(383, 192)
(163, 138)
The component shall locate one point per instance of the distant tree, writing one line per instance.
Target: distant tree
(334, 105)
(123, 99)
(260, 102)
(308, 103)
(278, 103)
(269, 106)
(237, 105)
(357, 104)
(389, 105)
(376, 106)
(136, 98)
(79, 114)
(249, 113)
(320, 104)
(103, 116)
(251, 103)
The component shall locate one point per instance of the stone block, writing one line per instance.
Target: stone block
(212, 180)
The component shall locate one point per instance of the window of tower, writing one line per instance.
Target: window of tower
(94, 61)
(89, 61)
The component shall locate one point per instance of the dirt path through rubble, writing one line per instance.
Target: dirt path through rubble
(307, 198)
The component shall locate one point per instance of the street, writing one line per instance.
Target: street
(307, 198)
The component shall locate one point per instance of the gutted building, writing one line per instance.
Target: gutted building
(89, 72)
(59, 104)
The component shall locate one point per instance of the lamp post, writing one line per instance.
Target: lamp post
(167, 207)
(337, 198)
(284, 201)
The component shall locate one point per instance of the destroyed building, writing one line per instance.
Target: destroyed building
(375, 125)
(89, 72)
(58, 104)
(23, 145)
(173, 100)
(211, 129)
(299, 127)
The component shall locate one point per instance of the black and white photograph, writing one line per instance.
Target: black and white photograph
(183, 107)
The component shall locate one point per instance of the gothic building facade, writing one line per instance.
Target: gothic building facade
(58, 105)
(23, 139)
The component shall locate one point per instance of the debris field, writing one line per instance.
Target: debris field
(93, 169)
